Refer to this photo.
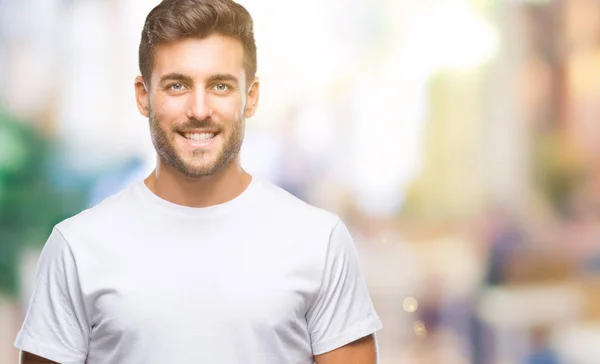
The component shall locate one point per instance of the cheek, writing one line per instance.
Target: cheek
(169, 109)
(229, 110)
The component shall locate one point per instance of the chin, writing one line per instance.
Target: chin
(198, 171)
(201, 170)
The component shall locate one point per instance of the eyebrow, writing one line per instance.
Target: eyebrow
(175, 77)
(216, 77)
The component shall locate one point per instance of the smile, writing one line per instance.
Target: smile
(199, 136)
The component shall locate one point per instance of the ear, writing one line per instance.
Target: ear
(141, 96)
(252, 100)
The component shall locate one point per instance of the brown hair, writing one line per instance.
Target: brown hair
(172, 20)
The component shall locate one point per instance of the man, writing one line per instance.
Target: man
(200, 262)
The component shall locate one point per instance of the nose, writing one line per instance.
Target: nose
(198, 106)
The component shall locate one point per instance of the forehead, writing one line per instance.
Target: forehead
(200, 58)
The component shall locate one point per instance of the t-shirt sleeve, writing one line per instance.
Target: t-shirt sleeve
(56, 326)
(343, 311)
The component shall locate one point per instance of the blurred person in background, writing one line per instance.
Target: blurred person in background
(199, 262)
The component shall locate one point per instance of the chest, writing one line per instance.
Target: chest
(196, 291)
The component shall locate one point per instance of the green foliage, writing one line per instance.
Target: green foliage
(30, 204)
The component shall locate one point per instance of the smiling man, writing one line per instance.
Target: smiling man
(200, 262)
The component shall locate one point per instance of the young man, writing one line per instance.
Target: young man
(200, 262)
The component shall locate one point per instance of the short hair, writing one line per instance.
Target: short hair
(172, 20)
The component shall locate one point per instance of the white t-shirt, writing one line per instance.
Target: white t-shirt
(264, 278)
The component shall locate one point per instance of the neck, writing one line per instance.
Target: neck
(225, 185)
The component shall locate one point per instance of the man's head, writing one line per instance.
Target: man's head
(198, 63)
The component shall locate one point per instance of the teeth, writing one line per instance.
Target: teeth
(199, 136)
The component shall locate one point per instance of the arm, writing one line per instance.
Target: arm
(361, 351)
(28, 358)
(55, 326)
(342, 319)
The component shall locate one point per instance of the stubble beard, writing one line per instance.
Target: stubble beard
(199, 164)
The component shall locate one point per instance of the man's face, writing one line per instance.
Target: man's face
(197, 102)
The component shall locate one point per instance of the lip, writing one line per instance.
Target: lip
(199, 131)
(199, 143)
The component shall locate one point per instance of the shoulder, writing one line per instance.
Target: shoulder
(100, 217)
(283, 207)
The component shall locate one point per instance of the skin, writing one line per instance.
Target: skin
(200, 85)
(28, 358)
(186, 95)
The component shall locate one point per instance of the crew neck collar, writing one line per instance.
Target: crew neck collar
(234, 204)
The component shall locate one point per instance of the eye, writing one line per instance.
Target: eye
(221, 87)
(176, 86)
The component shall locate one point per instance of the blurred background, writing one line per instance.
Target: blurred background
(458, 139)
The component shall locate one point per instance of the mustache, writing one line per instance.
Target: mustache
(198, 124)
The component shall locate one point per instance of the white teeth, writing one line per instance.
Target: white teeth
(199, 136)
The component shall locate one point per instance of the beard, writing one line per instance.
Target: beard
(201, 163)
